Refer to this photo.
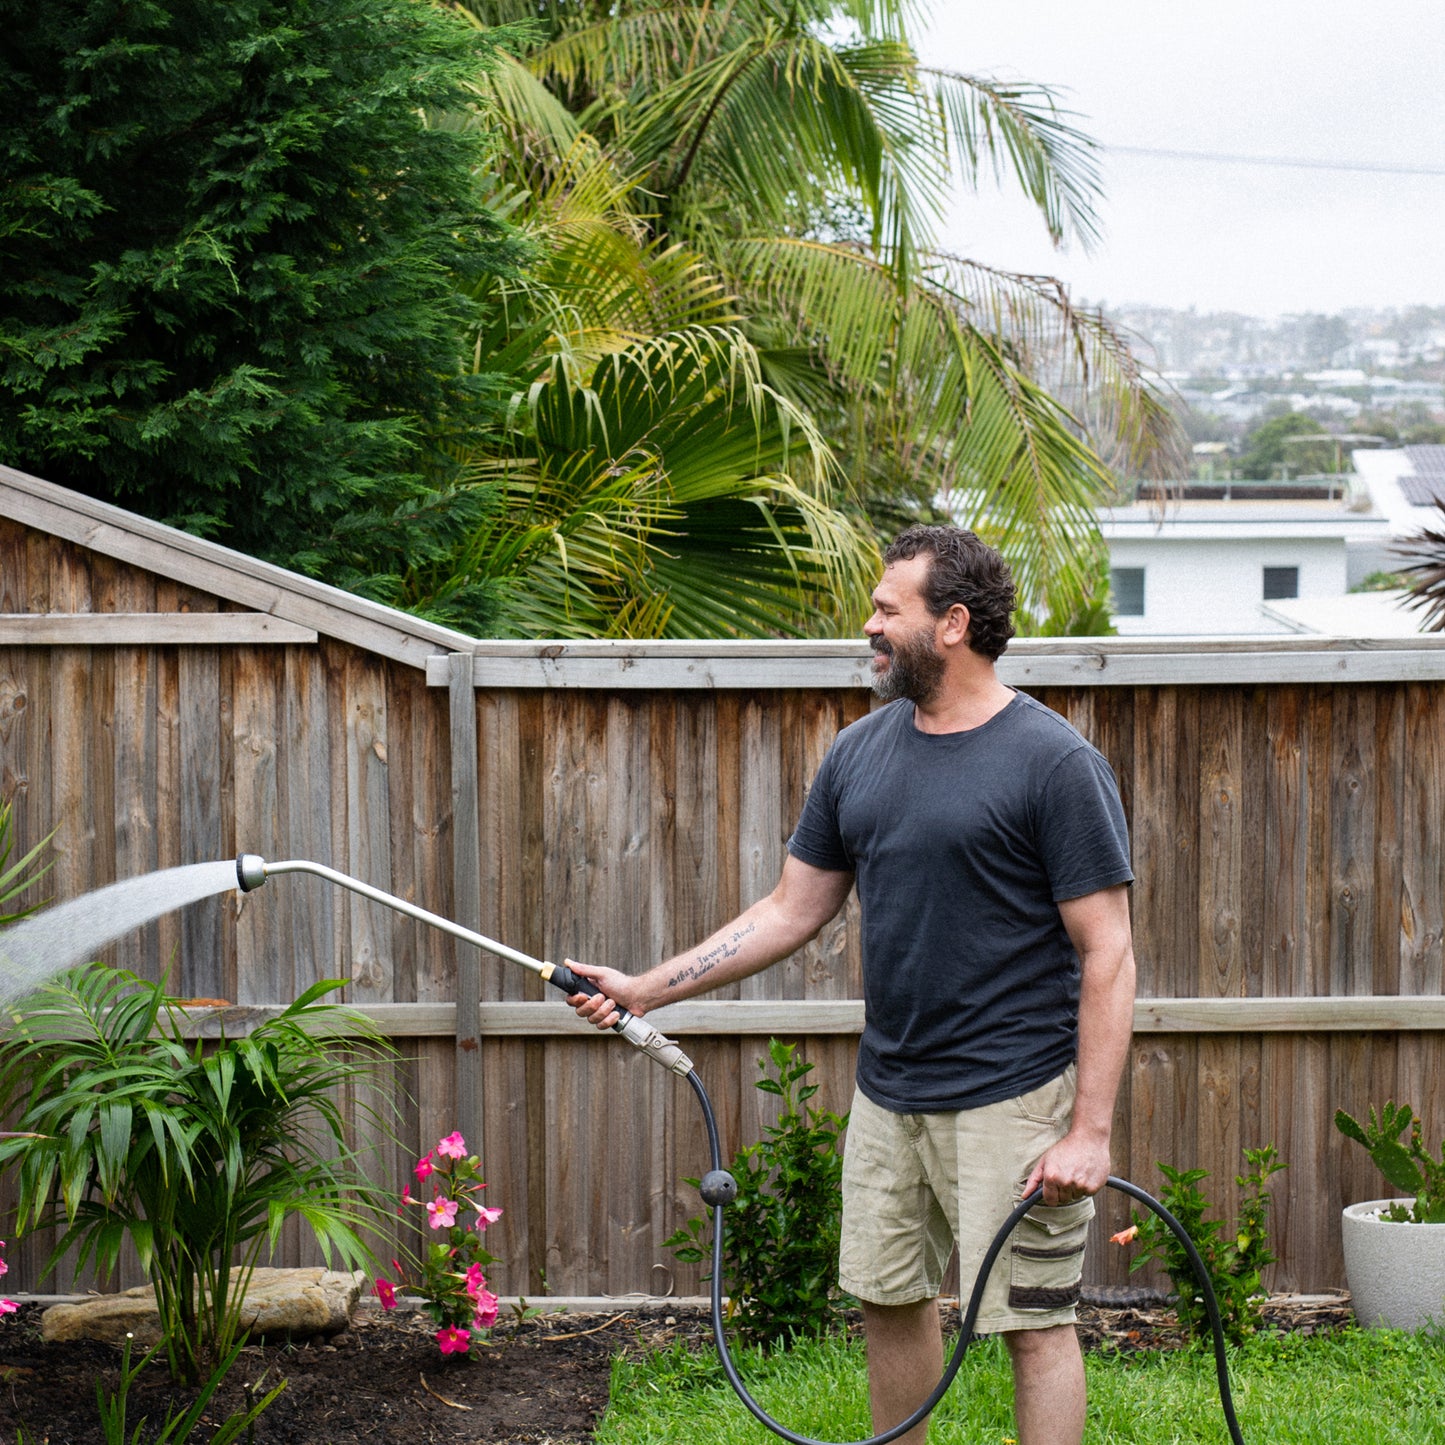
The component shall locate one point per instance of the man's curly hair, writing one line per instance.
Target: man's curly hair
(962, 569)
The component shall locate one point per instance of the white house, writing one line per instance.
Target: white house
(1228, 565)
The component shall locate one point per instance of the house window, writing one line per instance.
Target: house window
(1127, 586)
(1280, 582)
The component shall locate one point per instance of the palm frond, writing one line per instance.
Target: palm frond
(671, 489)
(990, 123)
(1426, 573)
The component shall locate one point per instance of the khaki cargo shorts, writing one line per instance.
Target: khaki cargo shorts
(913, 1184)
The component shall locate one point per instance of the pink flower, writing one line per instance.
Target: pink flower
(443, 1212)
(423, 1170)
(476, 1281)
(485, 1216)
(454, 1340)
(1124, 1236)
(8, 1306)
(486, 1315)
(4, 1268)
(453, 1146)
(386, 1293)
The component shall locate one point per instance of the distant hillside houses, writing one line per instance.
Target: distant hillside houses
(1273, 557)
(1242, 402)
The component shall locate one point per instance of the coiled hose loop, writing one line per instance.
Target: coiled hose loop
(970, 1315)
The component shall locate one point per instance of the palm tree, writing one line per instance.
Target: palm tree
(803, 155)
(1425, 577)
(648, 482)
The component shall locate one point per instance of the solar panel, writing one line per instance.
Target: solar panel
(1427, 486)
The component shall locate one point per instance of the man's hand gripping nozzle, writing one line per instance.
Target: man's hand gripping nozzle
(637, 1032)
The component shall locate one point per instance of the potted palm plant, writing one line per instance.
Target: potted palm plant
(1395, 1248)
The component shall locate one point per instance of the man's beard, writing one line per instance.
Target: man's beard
(914, 671)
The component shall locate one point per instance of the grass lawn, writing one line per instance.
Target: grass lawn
(1363, 1387)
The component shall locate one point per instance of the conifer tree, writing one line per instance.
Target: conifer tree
(234, 269)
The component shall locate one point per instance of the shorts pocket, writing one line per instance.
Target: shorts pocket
(1051, 1103)
(1047, 1256)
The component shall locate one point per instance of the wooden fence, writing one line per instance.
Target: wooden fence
(616, 802)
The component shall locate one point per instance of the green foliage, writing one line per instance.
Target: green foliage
(194, 1153)
(232, 253)
(16, 877)
(1368, 1387)
(179, 1423)
(1234, 1259)
(780, 1257)
(1380, 582)
(669, 493)
(1410, 1168)
(1269, 451)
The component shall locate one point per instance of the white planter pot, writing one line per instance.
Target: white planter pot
(1396, 1272)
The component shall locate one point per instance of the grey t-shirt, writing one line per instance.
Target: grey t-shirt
(963, 845)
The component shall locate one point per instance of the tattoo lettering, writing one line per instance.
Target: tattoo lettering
(706, 962)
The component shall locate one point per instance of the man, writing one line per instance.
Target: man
(989, 849)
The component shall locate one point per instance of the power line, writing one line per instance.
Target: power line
(1291, 162)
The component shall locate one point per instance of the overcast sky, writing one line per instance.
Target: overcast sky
(1334, 81)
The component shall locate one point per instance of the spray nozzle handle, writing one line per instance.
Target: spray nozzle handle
(642, 1035)
(569, 982)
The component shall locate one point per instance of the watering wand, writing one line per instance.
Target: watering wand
(252, 871)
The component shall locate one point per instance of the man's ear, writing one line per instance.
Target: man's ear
(955, 625)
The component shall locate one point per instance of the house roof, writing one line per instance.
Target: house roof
(230, 575)
(1424, 484)
(1234, 519)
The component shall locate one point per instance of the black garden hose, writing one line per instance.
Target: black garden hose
(719, 1189)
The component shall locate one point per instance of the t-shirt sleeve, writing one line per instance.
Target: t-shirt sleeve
(817, 839)
(1083, 837)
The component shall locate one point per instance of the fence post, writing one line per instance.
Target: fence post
(467, 885)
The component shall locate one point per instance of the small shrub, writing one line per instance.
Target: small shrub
(1234, 1261)
(780, 1256)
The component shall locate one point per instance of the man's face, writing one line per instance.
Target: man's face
(904, 635)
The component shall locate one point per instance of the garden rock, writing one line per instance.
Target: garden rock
(279, 1302)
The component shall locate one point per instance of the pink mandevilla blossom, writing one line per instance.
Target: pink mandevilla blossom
(8, 1306)
(386, 1293)
(485, 1216)
(486, 1310)
(454, 1340)
(424, 1169)
(443, 1212)
(453, 1146)
(476, 1281)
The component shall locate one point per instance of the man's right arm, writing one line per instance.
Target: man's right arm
(804, 899)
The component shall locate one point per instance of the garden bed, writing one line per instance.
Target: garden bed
(541, 1381)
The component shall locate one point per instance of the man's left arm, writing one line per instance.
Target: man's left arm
(1098, 925)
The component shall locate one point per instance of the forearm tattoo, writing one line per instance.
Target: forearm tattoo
(706, 962)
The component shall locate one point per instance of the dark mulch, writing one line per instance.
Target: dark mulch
(542, 1381)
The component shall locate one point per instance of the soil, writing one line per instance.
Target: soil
(540, 1381)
